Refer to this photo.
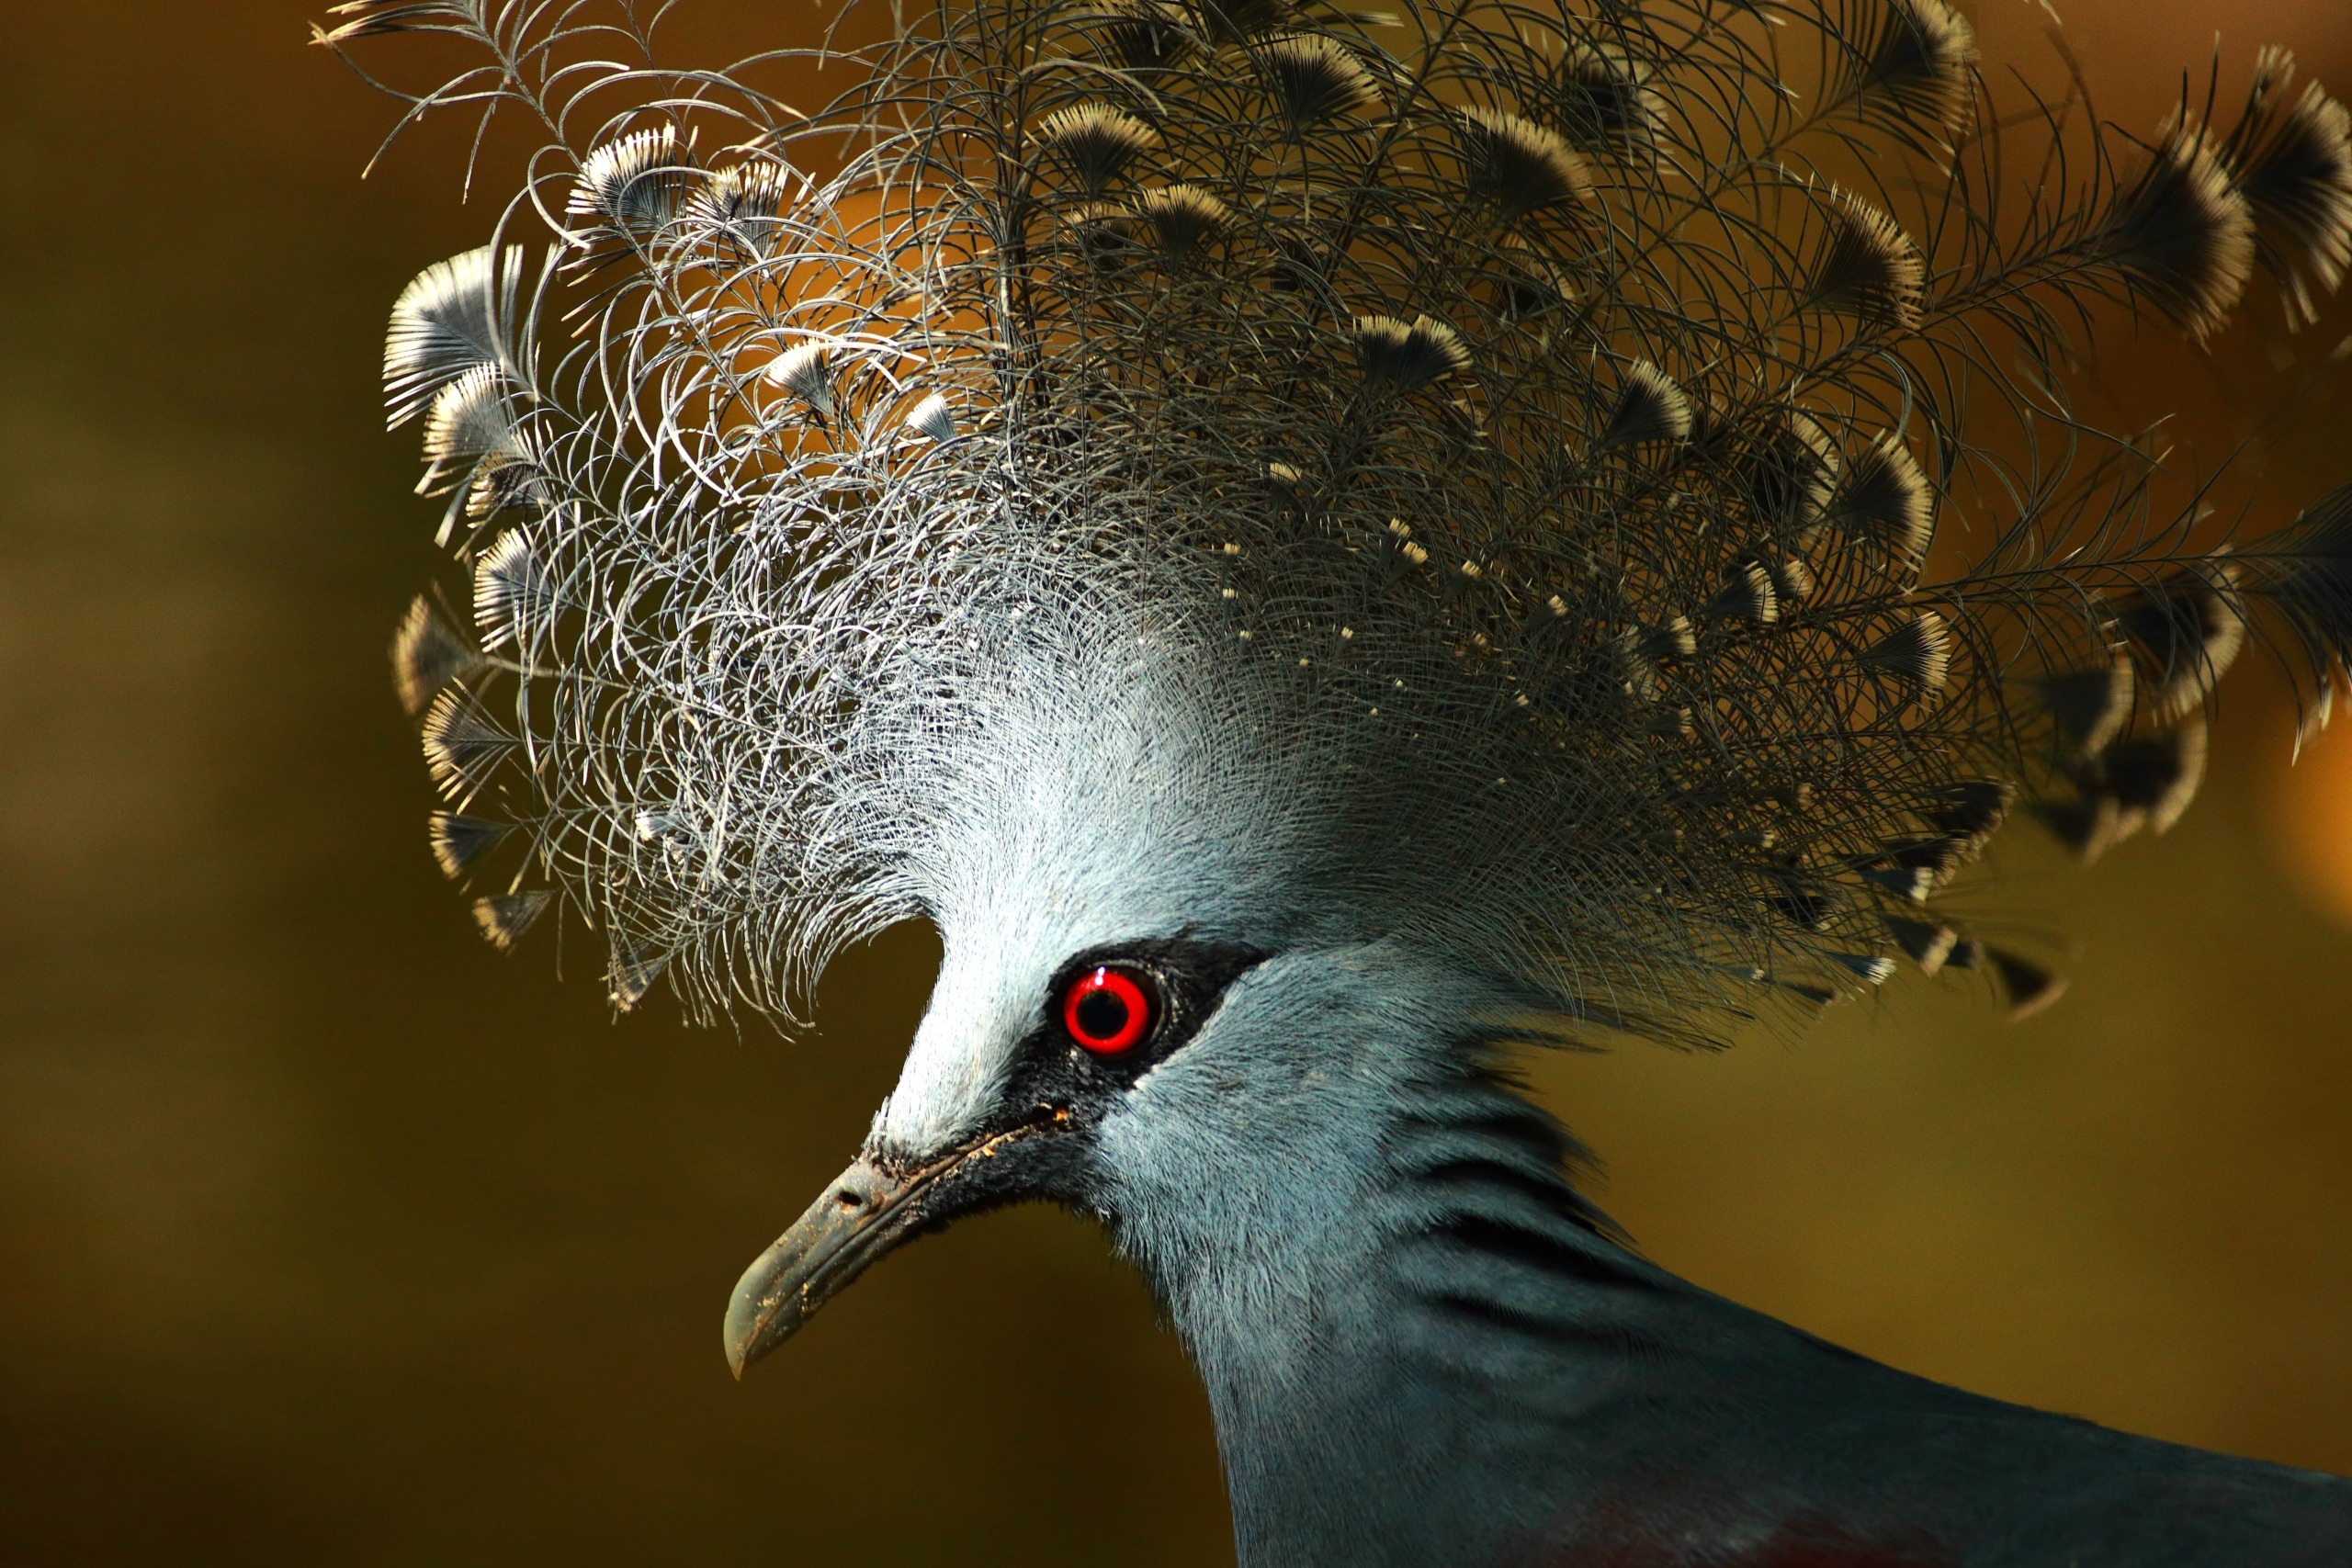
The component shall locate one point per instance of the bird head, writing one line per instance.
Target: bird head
(1165, 1001)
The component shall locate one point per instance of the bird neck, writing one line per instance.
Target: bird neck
(1377, 1358)
(1454, 1360)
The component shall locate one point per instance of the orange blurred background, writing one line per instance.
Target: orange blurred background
(327, 1237)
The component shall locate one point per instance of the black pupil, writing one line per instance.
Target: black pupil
(1102, 1013)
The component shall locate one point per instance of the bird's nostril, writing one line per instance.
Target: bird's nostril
(848, 1199)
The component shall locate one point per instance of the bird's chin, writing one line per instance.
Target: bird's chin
(868, 1210)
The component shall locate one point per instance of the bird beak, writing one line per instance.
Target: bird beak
(867, 1211)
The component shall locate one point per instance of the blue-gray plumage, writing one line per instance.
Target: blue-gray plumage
(1318, 549)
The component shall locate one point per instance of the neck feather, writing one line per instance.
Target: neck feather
(1382, 1370)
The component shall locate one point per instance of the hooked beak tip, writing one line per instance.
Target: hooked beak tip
(757, 1319)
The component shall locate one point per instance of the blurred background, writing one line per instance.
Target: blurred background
(326, 1235)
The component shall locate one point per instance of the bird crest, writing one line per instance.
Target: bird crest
(1587, 487)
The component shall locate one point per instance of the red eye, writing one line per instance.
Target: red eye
(1106, 1010)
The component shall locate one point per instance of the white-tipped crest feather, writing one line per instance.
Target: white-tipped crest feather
(632, 185)
(455, 318)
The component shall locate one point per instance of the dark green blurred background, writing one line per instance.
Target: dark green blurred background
(326, 1235)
